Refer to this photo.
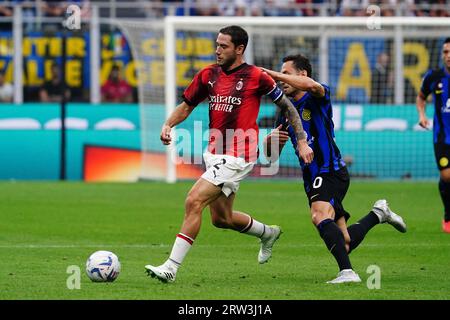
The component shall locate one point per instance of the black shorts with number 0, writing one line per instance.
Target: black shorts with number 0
(442, 155)
(331, 187)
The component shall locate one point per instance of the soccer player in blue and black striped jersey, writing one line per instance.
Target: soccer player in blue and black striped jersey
(326, 179)
(437, 82)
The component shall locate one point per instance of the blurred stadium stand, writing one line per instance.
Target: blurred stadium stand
(46, 16)
(159, 8)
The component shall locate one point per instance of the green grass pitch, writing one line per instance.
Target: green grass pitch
(47, 227)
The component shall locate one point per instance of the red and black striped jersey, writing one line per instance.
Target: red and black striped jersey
(234, 102)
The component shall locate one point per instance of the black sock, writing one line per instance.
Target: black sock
(444, 190)
(359, 230)
(334, 240)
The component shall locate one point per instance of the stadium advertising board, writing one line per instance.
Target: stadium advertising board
(388, 143)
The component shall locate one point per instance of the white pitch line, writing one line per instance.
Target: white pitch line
(62, 246)
(143, 246)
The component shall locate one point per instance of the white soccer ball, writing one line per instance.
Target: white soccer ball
(103, 266)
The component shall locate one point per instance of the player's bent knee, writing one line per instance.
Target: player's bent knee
(445, 175)
(193, 204)
(318, 216)
(347, 239)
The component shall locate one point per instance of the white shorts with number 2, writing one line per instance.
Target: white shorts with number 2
(226, 171)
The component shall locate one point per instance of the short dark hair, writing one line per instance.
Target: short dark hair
(300, 63)
(447, 40)
(238, 35)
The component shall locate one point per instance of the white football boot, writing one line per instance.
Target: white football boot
(265, 252)
(163, 273)
(381, 209)
(346, 275)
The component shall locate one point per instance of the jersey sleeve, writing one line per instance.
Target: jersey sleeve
(426, 84)
(322, 102)
(197, 91)
(327, 95)
(267, 86)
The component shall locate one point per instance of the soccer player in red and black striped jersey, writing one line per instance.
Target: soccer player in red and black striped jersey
(234, 90)
(437, 82)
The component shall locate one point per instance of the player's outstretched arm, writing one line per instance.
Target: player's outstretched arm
(301, 82)
(420, 104)
(181, 112)
(286, 106)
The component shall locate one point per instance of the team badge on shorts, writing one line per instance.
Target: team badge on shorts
(239, 85)
(443, 162)
(306, 115)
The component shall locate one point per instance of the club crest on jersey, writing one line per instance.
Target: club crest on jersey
(239, 85)
(306, 114)
(439, 91)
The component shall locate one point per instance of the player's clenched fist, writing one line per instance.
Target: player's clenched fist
(424, 122)
(305, 151)
(165, 134)
(278, 135)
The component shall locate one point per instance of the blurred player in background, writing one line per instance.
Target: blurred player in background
(326, 179)
(116, 89)
(437, 82)
(54, 90)
(234, 90)
(6, 89)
